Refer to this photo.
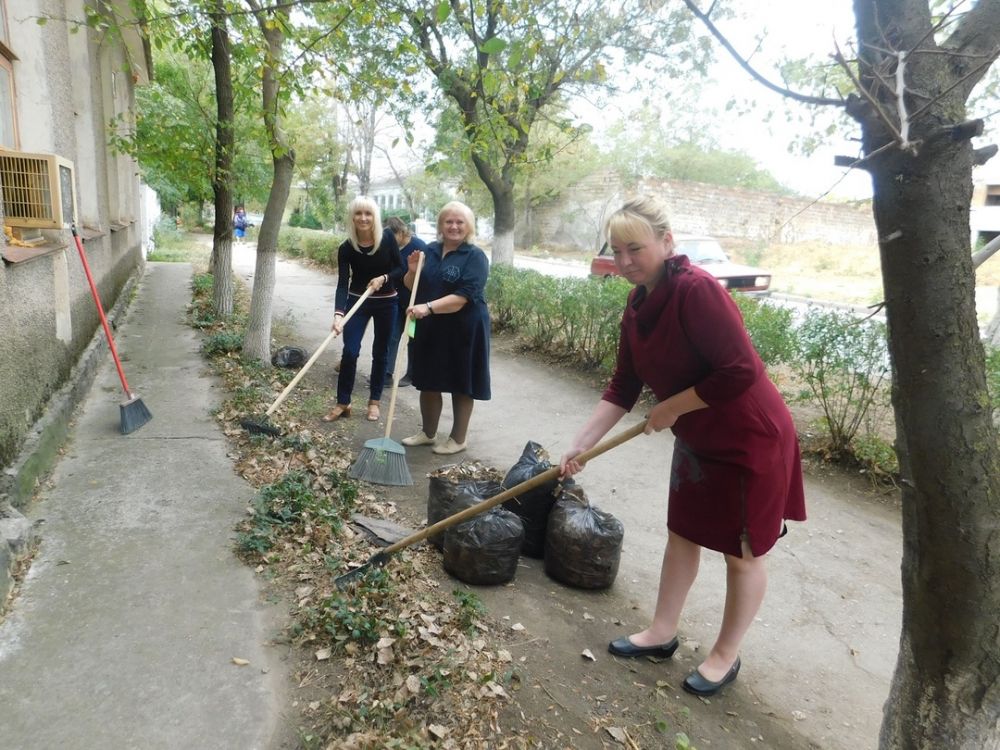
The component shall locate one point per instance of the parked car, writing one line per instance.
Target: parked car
(705, 252)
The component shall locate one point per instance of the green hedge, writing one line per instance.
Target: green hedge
(317, 245)
(573, 318)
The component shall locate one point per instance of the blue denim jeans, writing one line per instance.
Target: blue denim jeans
(380, 312)
(397, 332)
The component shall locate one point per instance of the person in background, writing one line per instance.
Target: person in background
(451, 349)
(240, 224)
(369, 257)
(736, 474)
(408, 243)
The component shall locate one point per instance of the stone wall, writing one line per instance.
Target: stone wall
(575, 218)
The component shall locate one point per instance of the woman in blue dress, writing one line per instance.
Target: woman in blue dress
(451, 348)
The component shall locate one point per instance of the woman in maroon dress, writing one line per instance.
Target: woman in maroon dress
(736, 474)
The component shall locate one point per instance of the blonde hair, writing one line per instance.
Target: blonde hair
(466, 212)
(363, 201)
(638, 218)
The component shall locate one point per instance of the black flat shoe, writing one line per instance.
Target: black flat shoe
(624, 647)
(697, 684)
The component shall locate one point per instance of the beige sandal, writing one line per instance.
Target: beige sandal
(340, 410)
(373, 412)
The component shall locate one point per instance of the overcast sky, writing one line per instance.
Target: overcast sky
(764, 124)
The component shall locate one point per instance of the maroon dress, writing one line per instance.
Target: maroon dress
(736, 469)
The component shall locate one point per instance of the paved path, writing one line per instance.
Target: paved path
(125, 630)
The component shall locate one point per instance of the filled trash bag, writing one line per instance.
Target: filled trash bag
(484, 550)
(583, 545)
(292, 357)
(534, 505)
(454, 488)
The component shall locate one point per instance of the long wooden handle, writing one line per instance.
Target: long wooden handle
(322, 347)
(528, 484)
(403, 340)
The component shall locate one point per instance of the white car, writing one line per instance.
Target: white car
(707, 253)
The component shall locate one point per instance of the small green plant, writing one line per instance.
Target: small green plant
(877, 458)
(361, 616)
(224, 342)
(435, 683)
(683, 742)
(844, 362)
(470, 608)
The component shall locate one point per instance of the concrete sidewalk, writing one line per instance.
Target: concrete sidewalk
(126, 628)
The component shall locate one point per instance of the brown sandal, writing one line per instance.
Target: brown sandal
(340, 410)
(373, 412)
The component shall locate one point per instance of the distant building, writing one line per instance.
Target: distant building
(388, 195)
(984, 219)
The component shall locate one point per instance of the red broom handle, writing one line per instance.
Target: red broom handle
(100, 311)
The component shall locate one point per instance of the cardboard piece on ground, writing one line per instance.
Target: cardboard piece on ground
(384, 532)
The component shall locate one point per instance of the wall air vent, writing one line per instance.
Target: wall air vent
(38, 190)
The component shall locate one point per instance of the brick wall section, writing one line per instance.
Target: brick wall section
(575, 218)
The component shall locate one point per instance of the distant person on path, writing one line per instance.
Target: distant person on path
(240, 224)
(736, 475)
(369, 257)
(407, 242)
(451, 349)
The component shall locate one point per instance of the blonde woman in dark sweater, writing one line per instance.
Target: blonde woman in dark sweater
(368, 258)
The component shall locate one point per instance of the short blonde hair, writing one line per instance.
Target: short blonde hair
(363, 201)
(466, 212)
(637, 218)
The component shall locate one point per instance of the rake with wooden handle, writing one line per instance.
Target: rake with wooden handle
(263, 426)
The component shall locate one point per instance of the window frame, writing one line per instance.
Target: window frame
(7, 58)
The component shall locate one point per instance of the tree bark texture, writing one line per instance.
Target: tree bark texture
(257, 341)
(222, 180)
(946, 687)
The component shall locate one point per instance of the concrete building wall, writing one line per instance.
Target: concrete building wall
(68, 86)
(576, 217)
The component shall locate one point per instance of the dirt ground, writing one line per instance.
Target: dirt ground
(817, 662)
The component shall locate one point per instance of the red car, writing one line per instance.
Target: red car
(705, 252)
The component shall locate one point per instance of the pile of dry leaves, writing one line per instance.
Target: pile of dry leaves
(394, 661)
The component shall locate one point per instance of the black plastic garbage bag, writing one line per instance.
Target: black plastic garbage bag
(292, 357)
(533, 506)
(484, 550)
(454, 488)
(583, 545)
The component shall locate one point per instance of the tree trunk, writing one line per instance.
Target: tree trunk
(946, 688)
(504, 220)
(222, 182)
(257, 341)
(501, 187)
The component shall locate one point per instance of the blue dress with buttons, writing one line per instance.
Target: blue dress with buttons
(451, 351)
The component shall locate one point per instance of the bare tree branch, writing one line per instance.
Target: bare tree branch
(804, 98)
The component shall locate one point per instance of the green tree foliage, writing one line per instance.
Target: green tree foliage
(174, 134)
(506, 65)
(319, 158)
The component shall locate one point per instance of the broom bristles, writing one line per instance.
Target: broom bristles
(382, 461)
(134, 415)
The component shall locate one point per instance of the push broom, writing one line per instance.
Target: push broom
(383, 460)
(133, 412)
(382, 557)
(262, 425)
